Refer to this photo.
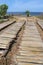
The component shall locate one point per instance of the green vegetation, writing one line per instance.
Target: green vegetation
(3, 9)
(27, 13)
(3, 20)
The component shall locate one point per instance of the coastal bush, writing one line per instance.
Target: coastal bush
(3, 9)
(27, 13)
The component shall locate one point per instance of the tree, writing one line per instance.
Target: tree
(27, 13)
(3, 9)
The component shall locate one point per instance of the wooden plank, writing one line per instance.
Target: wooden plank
(30, 38)
(40, 23)
(4, 43)
(8, 35)
(32, 43)
(6, 24)
(27, 49)
(33, 50)
(3, 47)
(5, 40)
(27, 60)
(31, 31)
(24, 63)
(31, 35)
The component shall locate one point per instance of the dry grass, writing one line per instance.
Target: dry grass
(40, 17)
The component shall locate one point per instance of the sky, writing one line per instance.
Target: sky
(23, 5)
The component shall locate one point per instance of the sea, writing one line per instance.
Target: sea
(24, 14)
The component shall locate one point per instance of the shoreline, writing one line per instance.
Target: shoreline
(24, 14)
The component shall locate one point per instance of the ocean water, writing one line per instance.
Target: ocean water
(23, 13)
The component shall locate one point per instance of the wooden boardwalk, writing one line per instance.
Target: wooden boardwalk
(30, 51)
(8, 37)
(21, 44)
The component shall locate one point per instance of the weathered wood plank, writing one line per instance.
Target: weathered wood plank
(6, 24)
(40, 23)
